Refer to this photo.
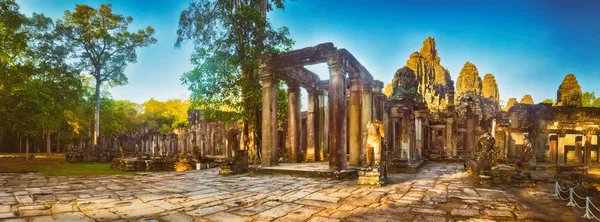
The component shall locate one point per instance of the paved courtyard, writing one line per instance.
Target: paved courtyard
(439, 192)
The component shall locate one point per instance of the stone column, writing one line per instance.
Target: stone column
(270, 87)
(312, 127)
(294, 129)
(323, 127)
(578, 150)
(449, 145)
(354, 131)
(367, 115)
(561, 149)
(588, 150)
(389, 127)
(337, 112)
(553, 149)
(406, 135)
(470, 140)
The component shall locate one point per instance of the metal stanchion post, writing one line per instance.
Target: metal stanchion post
(571, 200)
(587, 214)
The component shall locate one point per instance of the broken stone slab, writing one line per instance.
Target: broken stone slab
(227, 217)
(102, 215)
(178, 217)
(33, 213)
(205, 211)
(72, 217)
(465, 212)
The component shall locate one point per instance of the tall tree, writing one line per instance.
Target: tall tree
(587, 99)
(104, 46)
(13, 44)
(229, 37)
(57, 83)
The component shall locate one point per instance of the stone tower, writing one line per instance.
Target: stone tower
(489, 88)
(468, 81)
(569, 92)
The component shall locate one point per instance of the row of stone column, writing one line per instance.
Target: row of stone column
(407, 132)
(209, 138)
(329, 124)
(151, 144)
(556, 144)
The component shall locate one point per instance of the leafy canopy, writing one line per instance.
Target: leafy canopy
(228, 37)
(102, 40)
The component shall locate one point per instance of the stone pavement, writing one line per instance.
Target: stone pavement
(439, 192)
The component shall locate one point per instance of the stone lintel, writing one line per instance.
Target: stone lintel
(301, 57)
(302, 77)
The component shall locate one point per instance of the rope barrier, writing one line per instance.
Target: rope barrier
(573, 203)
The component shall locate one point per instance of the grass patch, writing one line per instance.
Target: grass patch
(57, 166)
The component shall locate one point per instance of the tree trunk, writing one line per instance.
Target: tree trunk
(1, 139)
(89, 138)
(48, 144)
(26, 147)
(97, 118)
(20, 142)
(58, 141)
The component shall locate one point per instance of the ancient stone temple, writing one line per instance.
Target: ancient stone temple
(569, 92)
(564, 134)
(527, 99)
(489, 88)
(511, 102)
(339, 108)
(145, 149)
(428, 118)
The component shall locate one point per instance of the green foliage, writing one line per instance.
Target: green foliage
(282, 103)
(165, 116)
(588, 99)
(548, 101)
(118, 115)
(229, 39)
(103, 44)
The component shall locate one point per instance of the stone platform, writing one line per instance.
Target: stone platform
(412, 168)
(310, 170)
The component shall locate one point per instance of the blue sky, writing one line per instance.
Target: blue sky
(528, 45)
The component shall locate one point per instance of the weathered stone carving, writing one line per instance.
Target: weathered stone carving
(374, 173)
(376, 131)
(526, 155)
(511, 102)
(527, 99)
(489, 88)
(434, 84)
(468, 81)
(569, 93)
(485, 156)
(404, 83)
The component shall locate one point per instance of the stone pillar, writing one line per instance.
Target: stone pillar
(418, 136)
(294, 129)
(337, 113)
(354, 131)
(312, 127)
(406, 135)
(561, 149)
(389, 128)
(578, 149)
(553, 149)
(449, 145)
(367, 115)
(588, 150)
(470, 140)
(270, 87)
(323, 127)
